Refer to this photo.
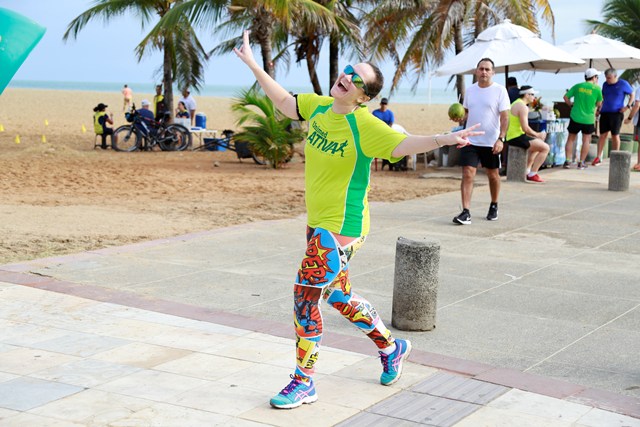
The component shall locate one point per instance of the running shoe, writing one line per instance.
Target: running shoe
(492, 215)
(566, 165)
(392, 363)
(464, 218)
(295, 394)
(535, 178)
(596, 162)
(582, 165)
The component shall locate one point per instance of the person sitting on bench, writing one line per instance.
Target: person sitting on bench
(520, 134)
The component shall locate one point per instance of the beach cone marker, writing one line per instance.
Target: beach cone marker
(17, 140)
(44, 138)
(84, 129)
(1, 128)
(46, 122)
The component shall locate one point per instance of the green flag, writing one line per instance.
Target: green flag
(18, 36)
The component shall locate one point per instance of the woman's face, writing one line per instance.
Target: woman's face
(344, 89)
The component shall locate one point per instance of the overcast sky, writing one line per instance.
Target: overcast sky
(106, 53)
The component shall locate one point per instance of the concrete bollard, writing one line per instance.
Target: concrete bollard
(415, 288)
(448, 156)
(517, 164)
(619, 174)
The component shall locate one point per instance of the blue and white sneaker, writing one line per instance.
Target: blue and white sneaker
(295, 394)
(392, 363)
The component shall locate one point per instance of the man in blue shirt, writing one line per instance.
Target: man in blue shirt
(614, 92)
(147, 125)
(383, 113)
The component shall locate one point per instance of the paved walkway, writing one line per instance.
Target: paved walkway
(538, 322)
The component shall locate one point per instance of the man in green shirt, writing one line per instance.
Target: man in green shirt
(587, 98)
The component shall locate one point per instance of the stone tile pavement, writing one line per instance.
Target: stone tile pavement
(72, 361)
(537, 322)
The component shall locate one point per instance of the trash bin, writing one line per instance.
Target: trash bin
(627, 142)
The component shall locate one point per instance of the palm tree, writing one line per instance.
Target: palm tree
(267, 130)
(270, 22)
(183, 55)
(310, 34)
(428, 30)
(621, 21)
(346, 36)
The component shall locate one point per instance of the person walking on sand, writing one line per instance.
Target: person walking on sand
(487, 103)
(343, 139)
(127, 93)
(587, 99)
(614, 92)
(520, 134)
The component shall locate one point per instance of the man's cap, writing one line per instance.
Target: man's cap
(384, 101)
(144, 102)
(590, 73)
(101, 106)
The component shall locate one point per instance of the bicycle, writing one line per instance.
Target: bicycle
(242, 148)
(145, 134)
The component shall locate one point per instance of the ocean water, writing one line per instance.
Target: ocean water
(422, 95)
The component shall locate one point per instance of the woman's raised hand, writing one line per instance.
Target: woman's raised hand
(245, 53)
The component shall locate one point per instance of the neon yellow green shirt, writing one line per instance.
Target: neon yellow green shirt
(338, 154)
(515, 127)
(585, 97)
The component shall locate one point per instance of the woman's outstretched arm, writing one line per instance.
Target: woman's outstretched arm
(420, 144)
(282, 99)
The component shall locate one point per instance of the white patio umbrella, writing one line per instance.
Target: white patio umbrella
(601, 53)
(511, 48)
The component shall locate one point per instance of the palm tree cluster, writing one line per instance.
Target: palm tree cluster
(415, 34)
(621, 21)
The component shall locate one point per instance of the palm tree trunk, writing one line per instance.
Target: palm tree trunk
(311, 67)
(263, 30)
(459, 46)
(167, 80)
(334, 56)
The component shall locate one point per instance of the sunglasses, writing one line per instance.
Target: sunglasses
(356, 79)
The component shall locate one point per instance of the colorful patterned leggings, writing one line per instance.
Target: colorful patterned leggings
(324, 274)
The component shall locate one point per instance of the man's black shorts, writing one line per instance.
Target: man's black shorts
(523, 141)
(472, 155)
(575, 127)
(611, 122)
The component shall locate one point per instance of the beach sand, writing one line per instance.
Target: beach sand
(61, 196)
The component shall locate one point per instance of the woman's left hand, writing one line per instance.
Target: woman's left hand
(461, 137)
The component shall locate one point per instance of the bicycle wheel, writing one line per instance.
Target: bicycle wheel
(176, 138)
(258, 158)
(126, 138)
(261, 160)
